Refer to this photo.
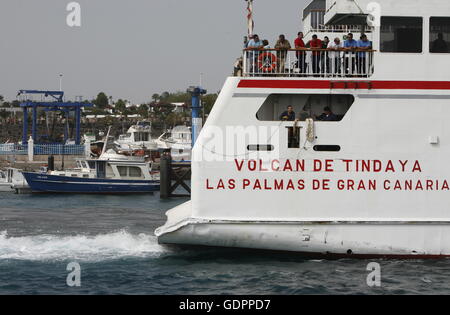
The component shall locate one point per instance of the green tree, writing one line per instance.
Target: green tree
(120, 106)
(155, 97)
(208, 102)
(101, 101)
(165, 96)
(4, 114)
(161, 111)
(143, 111)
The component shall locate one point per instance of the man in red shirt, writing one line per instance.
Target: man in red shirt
(315, 43)
(301, 55)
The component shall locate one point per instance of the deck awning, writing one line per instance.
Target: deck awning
(348, 19)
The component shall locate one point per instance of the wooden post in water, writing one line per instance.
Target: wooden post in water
(165, 176)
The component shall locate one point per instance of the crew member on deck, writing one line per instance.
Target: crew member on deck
(288, 115)
(327, 115)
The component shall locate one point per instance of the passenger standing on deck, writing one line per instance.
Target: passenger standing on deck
(350, 56)
(288, 115)
(254, 45)
(325, 56)
(282, 46)
(301, 55)
(335, 55)
(266, 44)
(315, 43)
(363, 44)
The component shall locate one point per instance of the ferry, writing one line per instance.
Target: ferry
(363, 171)
(102, 176)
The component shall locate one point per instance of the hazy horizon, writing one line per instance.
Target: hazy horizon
(131, 50)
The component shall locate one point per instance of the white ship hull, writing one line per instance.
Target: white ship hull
(359, 239)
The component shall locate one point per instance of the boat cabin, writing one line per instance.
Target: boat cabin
(108, 169)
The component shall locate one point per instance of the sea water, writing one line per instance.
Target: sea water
(111, 239)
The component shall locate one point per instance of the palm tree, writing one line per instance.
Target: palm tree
(155, 97)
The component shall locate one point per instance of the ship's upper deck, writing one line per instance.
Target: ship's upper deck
(410, 40)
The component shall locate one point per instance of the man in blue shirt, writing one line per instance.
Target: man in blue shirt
(350, 45)
(253, 47)
(288, 115)
(363, 44)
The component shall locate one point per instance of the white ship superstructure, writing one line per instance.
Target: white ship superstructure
(371, 181)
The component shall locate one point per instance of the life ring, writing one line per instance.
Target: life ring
(267, 62)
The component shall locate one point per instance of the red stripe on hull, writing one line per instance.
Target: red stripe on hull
(351, 84)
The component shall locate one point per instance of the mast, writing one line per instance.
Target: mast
(250, 22)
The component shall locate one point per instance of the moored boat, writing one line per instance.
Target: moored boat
(97, 177)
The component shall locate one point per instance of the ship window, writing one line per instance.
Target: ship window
(440, 35)
(401, 34)
(141, 136)
(305, 106)
(122, 171)
(135, 172)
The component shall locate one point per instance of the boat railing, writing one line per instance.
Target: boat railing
(345, 29)
(306, 62)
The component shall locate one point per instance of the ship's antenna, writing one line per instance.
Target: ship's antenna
(250, 22)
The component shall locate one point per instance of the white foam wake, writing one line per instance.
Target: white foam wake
(111, 246)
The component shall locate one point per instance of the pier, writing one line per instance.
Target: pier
(173, 176)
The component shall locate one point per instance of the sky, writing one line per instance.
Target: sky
(131, 49)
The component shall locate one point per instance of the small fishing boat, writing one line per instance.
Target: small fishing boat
(97, 177)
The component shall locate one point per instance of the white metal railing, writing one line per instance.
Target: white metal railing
(308, 62)
(345, 29)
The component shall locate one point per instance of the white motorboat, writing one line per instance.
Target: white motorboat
(137, 137)
(179, 141)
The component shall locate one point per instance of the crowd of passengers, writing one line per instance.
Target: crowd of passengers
(326, 56)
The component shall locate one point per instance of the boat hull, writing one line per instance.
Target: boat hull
(5, 187)
(43, 183)
(363, 240)
(358, 239)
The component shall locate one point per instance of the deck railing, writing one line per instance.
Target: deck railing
(344, 29)
(307, 62)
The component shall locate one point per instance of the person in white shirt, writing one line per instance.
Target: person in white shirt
(336, 54)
